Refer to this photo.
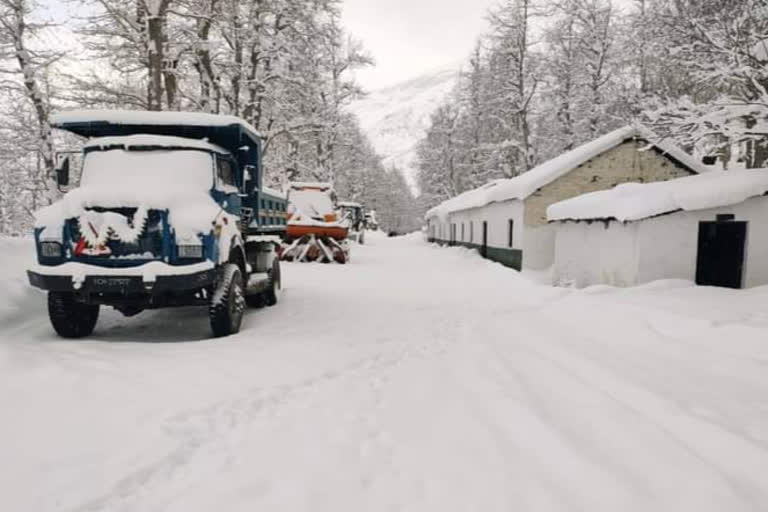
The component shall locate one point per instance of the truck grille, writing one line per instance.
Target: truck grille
(148, 246)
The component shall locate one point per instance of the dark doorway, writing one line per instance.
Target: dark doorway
(484, 248)
(720, 260)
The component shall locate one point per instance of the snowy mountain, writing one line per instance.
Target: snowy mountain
(396, 118)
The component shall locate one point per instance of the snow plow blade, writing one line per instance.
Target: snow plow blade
(315, 248)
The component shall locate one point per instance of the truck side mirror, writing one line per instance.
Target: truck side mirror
(62, 172)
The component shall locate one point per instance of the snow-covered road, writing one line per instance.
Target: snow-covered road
(415, 378)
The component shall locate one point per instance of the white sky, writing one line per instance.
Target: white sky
(410, 37)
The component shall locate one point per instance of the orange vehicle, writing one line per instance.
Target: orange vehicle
(315, 231)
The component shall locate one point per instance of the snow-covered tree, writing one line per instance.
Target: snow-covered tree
(26, 140)
(720, 46)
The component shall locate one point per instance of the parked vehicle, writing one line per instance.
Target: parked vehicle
(370, 221)
(170, 211)
(354, 215)
(315, 231)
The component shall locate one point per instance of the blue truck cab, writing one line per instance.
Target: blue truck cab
(170, 211)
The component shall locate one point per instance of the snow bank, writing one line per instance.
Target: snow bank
(526, 184)
(634, 201)
(15, 255)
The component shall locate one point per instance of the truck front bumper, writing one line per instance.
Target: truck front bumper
(154, 278)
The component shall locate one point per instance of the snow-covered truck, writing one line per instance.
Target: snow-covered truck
(170, 211)
(315, 232)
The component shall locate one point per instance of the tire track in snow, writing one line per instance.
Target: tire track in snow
(206, 431)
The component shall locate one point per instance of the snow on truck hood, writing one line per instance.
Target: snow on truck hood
(176, 181)
(189, 213)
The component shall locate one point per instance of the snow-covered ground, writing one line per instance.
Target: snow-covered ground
(416, 378)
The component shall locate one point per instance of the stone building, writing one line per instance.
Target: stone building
(506, 220)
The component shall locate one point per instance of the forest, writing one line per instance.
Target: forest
(285, 66)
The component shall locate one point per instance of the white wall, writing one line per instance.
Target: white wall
(664, 247)
(588, 253)
(669, 244)
(539, 247)
(498, 216)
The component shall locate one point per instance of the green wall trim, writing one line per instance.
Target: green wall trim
(512, 258)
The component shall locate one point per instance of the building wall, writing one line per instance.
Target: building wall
(623, 164)
(664, 247)
(497, 215)
(588, 253)
(534, 238)
(669, 244)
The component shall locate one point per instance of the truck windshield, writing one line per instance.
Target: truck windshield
(176, 169)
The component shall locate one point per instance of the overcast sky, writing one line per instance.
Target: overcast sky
(410, 37)
(406, 37)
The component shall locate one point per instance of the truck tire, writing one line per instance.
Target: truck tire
(69, 317)
(272, 293)
(228, 303)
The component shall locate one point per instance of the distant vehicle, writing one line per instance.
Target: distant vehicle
(170, 211)
(315, 231)
(370, 220)
(354, 215)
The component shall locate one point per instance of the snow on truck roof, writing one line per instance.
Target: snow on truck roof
(152, 141)
(636, 201)
(135, 117)
(229, 132)
(520, 187)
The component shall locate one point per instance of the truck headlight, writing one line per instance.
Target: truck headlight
(50, 249)
(191, 251)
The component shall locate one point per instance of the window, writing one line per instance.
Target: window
(462, 231)
(225, 174)
(511, 233)
(471, 231)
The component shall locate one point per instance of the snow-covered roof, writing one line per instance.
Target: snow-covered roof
(141, 117)
(526, 184)
(635, 201)
(160, 141)
(318, 185)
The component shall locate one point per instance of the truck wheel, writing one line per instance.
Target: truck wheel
(228, 303)
(272, 292)
(69, 317)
